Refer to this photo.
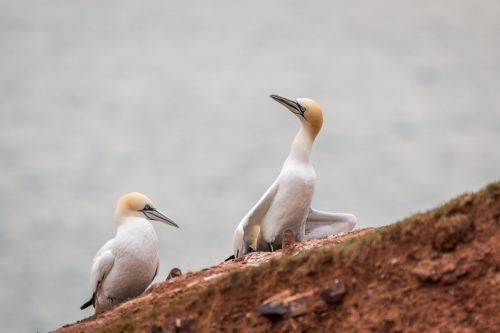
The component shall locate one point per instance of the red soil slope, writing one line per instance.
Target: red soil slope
(437, 271)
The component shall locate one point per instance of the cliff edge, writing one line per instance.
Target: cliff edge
(437, 271)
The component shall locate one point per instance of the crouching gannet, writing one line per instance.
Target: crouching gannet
(128, 263)
(287, 203)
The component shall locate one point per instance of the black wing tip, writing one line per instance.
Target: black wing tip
(86, 305)
(90, 302)
(231, 257)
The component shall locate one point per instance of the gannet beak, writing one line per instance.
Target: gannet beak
(292, 105)
(155, 215)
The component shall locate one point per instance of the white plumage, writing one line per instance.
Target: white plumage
(287, 202)
(127, 264)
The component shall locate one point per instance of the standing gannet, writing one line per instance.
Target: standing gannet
(128, 263)
(287, 203)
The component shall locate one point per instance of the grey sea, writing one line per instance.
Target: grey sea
(100, 98)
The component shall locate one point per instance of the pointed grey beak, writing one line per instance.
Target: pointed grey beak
(292, 105)
(155, 215)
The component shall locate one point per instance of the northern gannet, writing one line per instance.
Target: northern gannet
(128, 263)
(287, 203)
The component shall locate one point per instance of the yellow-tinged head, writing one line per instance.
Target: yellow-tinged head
(307, 110)
(138, 205)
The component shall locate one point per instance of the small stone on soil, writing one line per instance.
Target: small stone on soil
(283, 304)
(335, 293)
(174, 272)
(183, 324)
(287, 239)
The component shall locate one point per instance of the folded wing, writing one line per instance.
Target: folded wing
(103, 262)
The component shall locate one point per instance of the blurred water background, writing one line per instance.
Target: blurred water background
(99, 98)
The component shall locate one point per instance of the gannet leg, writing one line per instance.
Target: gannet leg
(271, 248)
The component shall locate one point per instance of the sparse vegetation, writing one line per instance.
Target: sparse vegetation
(406, 275)
(452, 230)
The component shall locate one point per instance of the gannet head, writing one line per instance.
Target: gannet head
(136, 204)
(307, 110)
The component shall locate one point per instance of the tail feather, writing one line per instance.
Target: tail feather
(231, 257)
(88, 303)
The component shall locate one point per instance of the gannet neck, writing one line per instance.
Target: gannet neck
(131, 222)
(312, 129)
(301, 145)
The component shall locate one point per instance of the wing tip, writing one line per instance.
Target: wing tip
(86, 304)
(90, 302)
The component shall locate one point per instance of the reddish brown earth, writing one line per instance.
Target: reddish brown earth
(437, 271)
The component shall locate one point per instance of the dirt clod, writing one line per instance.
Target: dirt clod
(285, 304)
(174, 272)
(179, 325)
(335, 293)
(287, 240)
